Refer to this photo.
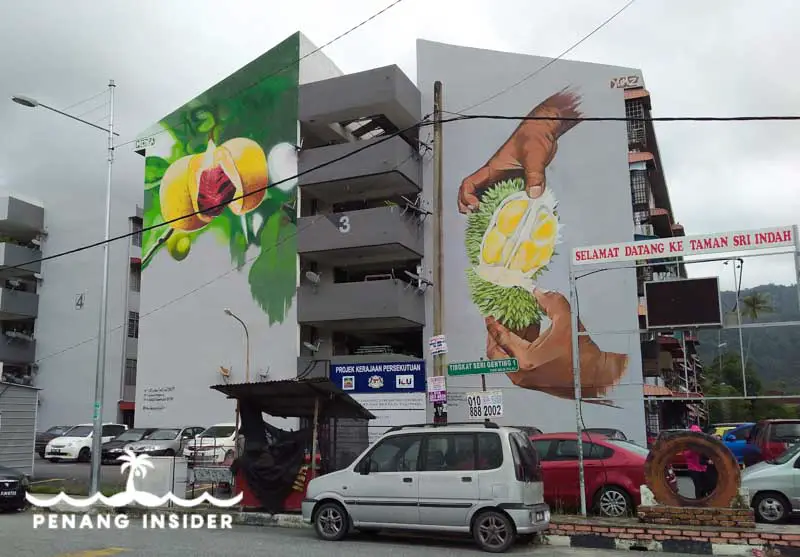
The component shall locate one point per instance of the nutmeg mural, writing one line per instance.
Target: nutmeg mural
(230, 174)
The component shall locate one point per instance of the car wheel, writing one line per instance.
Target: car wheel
(613, 502)
(494, 532)
(85, 455)
(772, 508)
(331, 522)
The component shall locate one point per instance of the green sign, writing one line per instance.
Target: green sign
(507, 365)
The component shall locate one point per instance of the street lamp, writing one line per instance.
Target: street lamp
(246, 345)
(739, 317)
(100, 371)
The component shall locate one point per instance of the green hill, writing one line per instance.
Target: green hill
(774, 352)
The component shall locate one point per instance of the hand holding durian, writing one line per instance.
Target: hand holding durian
(526, 153)
(545, 358)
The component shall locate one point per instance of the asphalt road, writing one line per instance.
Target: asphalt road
(73, 473)
(21, 540)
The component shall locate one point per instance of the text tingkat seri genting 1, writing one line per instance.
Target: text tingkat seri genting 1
(689, 245)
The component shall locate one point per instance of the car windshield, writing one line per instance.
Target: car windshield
(630, 446)
(80, 431)
(218, 431)
(131, 435)
(58, 429)
(787, 455)
(163, 435)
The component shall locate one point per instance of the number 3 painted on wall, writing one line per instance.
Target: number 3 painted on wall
(344, 224)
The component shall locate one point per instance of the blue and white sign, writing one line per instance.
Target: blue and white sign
(379, 378)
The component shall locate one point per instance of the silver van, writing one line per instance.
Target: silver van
(473, 478)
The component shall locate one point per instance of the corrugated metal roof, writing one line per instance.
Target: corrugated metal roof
(292, 398)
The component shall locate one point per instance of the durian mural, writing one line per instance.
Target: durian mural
(513, 229)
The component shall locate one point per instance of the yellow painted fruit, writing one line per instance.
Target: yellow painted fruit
(493, 246)
(545, 229)
(510, 216)
(178, 245)
(178, 194)
(250, 162)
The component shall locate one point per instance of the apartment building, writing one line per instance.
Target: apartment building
(670, 364)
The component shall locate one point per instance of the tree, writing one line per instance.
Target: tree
(753, 306)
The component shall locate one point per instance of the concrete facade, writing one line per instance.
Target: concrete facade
(18, 411)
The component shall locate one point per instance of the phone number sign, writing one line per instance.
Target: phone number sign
(484, 405)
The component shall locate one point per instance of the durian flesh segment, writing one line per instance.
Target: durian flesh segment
(521, 237)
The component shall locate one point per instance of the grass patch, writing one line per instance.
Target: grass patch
(53, 489)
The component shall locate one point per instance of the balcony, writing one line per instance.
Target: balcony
(384, 94)
(16, 351)
(392, 167)
(20, 219)
(375, 305)
(12, 255)
(18, 304)
(379, 235)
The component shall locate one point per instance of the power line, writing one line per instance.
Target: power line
(553, 61)
(290, 65)
(103, 92)
(424, 122)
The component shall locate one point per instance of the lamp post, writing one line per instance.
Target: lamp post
(102, 328)
(246, 345)
(738, 287)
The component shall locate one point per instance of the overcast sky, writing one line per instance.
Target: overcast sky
(715, 57)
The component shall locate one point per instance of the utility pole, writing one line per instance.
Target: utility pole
(439, 408)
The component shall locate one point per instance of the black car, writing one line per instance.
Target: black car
(43, 438)
(13, 487)
(111, 450)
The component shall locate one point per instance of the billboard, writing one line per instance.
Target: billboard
(393, 391)
(519, 196)
(220, 190)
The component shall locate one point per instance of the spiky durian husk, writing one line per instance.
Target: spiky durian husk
(513, 307)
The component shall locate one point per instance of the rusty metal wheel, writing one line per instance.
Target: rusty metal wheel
(664, 451)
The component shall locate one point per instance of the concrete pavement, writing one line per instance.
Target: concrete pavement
(21, 540)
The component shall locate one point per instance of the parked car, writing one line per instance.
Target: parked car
(771, 438)
(166, 441)
(214, 445)
(613, 472)
(76, 444)
(607, 432)
(772, 485)
(44, 437)
(721, 429)
(479, 479)
(112, 450)
(13, 486)
(736, 440)
(678, 462)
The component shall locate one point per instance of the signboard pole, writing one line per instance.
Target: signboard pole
(483, 388)
(795, 231)
(439, 408)
(576, 375)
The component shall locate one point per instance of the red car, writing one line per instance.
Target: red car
(613, 472)
(771, 438)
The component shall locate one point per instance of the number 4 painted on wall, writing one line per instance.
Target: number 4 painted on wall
(80, 300)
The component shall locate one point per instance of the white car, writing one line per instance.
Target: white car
(213, 446)
(479, 479)
(76, 444)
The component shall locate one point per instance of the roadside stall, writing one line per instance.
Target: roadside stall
(273, 467)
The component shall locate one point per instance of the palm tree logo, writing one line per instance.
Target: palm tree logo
(137, 466)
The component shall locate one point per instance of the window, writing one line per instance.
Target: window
(136, 226)
(786, 432)
(133, 324)
(741, 434)
(636, 128)
(568, 450)
(542, 448)
(136, 279)
(526, 461)
(130, 372)
(640, 188)
(394, 454)
(112, 430)
(453, 451)
(490, 451)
